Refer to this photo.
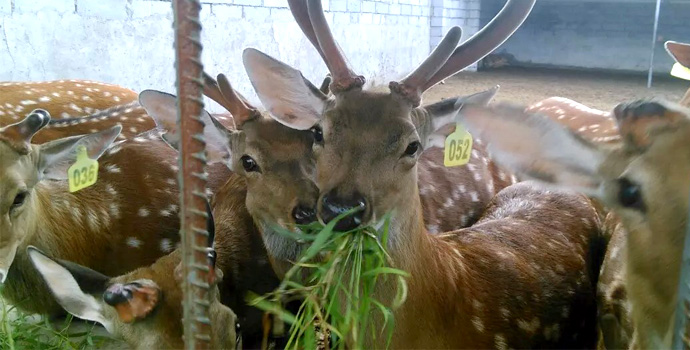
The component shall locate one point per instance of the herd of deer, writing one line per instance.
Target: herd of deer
(564, 230)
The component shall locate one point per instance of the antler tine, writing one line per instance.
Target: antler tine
(343, 77)
(506, 22)
(240, 111)
(212, 90)
(301, 15)
(410, 86)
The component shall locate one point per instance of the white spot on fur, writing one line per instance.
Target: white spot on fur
(500, 342)
(143, 212)
(110, 189)
(112, 168)
(475, 196)
(505, 313)
(28, 102)
(529, 327)
(44, 99)
(134, 242)
(478, 324)
(114, 210)
(167, 245)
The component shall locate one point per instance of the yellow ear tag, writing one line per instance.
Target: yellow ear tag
(679, 71)
(458, 147)
(84, 172)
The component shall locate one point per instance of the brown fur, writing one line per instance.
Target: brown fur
(92, 227)
(75, 98)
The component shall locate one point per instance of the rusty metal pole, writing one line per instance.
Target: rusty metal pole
(193, 178)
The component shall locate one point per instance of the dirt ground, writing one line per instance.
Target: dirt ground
(599, 90)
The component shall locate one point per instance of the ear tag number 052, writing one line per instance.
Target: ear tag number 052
(84, 172)
(458, 147)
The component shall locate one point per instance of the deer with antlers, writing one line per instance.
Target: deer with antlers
(483, 286)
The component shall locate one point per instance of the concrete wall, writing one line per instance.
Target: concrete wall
(595, 34)
(130, 42)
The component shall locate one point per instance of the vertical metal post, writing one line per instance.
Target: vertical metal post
(651, 59)
(192, 178)
(681, 322)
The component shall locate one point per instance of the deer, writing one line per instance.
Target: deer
(367, 144)
(85, 107)
(63, 99)
(142, 307)
(627, 177)
(127, 219)
(595, 124)
(276, 162)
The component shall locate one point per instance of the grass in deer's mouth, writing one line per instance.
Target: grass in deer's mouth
(342, 270)
(23, 332)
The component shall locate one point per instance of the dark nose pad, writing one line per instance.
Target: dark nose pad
(332, 206)
(303, 214)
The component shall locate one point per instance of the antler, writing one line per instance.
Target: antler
(482, 43)
(442, 64)
(311, 19)
(19, 135)
(222, 92)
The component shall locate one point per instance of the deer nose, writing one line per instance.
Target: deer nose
(303, 214)
(332, 206)
(117, 294)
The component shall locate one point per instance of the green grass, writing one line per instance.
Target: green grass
(343, 270)
(23, 332)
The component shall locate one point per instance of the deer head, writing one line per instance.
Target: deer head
(644, 179)
(24, 166)
(367, 143)
(275, 160)
(143, 307)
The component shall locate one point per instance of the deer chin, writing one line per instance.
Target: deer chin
(278, 245)
(7, 255)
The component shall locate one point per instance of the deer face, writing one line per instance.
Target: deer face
(24, 167)
(644, 179)
(275, 160)
(366, 143)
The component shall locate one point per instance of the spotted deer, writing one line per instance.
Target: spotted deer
(523, 276)
(276, 162)
(598, 125)
(85, 107)
(627, 177)
(142, 307)
(127, 219)
(63, 99)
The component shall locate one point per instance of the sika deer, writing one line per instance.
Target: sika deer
(644, 179)
(143, 307)
(484, 286)
(127, 219)
(594, 124)
(276, 162)
(86, 107)
(60, 98)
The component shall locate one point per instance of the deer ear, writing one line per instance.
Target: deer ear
(73, 286)
(437, 120)
(58, 155)
(283, 91)
(534, 146)
(162, 107)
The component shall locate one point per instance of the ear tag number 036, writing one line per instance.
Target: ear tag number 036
(458, 147)
(84, 172)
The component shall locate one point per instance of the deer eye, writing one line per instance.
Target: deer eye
(19, 199)
(249, 164)
(630, 194)
(318, 134)
(412, 148)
